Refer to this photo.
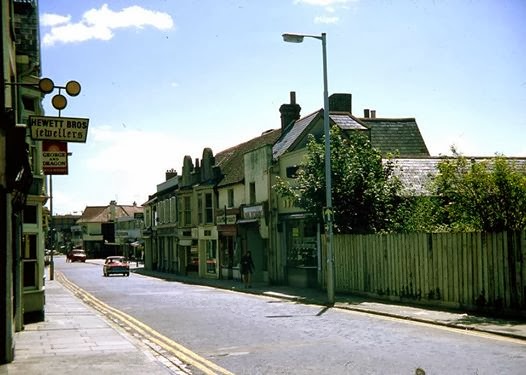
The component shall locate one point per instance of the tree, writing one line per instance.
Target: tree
(488, 195)
(365, 192)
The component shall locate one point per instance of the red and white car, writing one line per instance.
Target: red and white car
(116, 265)
(76, 255)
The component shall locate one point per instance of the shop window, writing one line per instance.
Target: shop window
(227, 248)
(302, 244)
(211, 256)
(29, 260)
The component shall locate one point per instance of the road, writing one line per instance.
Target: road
(248, 334)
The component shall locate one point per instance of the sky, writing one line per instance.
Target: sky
(161, 79)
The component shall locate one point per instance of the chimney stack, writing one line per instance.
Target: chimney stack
(170, 173)
(340, 103)
(289, 112)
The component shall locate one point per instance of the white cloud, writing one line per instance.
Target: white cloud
(326, 19)
(100, 24)
(49, 19)
(330, 6)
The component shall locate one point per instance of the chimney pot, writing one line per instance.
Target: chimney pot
(293, 97)
(373, 113)
(366, 113)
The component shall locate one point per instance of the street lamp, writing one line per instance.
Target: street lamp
(328, 211)
(59, 102)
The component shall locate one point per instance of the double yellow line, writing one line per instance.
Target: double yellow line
(183, 354)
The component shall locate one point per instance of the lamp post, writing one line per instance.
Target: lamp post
(328, 212)
(59, 102)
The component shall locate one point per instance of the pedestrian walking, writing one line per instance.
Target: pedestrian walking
(247, 267)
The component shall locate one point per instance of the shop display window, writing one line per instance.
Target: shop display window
(302, 244)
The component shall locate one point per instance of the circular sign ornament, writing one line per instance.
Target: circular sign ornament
(46, 85)
(59, 102)
(73, 88)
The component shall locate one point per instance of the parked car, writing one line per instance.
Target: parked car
(116, 265)
(76, 255)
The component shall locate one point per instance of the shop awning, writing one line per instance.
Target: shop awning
(247, 221)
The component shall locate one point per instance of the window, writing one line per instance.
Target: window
(211, 256)
(230, 198)
(187, 211)
(173, 209)
(292, 172)
(180, 211)
(209, 208)
(302, 243)
(29, 103)
(200, 208)
(252, 192)
(29, 260)
(30, 214)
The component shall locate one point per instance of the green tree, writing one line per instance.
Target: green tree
(365, 192)
(488, 195)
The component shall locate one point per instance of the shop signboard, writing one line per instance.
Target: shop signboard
(54, 157)
(65, 129)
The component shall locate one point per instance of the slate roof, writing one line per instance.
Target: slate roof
(231, 161)
(101, 214)
(292, 133)
(346, 122)
(416, 174)
(396, 135)
(297, 131)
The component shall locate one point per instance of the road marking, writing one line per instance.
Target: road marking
(167, 344)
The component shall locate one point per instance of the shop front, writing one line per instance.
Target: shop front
(302, 241)
(229, 255)
(249, 236)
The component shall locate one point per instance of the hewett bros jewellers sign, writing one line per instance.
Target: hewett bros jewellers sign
(65, 129)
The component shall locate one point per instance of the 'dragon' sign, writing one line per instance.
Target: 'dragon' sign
(65, 129)
(54, 157)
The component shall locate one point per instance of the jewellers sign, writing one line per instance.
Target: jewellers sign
(54, 157)
(65, 129)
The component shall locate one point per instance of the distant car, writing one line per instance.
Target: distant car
(116, 265)
(76, 255)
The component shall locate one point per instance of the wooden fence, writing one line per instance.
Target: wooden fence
(461, 270)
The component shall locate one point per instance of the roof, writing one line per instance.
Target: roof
(292, 133)
(416, 174)
(102, 214)
(231, 161)
(300, 128)
(396, 135)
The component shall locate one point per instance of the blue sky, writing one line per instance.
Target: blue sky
(166, 78)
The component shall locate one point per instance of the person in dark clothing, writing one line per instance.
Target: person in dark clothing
(247, 267)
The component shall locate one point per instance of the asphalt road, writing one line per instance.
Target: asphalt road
(249, 334)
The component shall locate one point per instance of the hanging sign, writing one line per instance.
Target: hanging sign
(66, 129)
(54, 157)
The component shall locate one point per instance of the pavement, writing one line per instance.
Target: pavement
(76, 339)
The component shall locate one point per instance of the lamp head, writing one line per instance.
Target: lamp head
(293, 38)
